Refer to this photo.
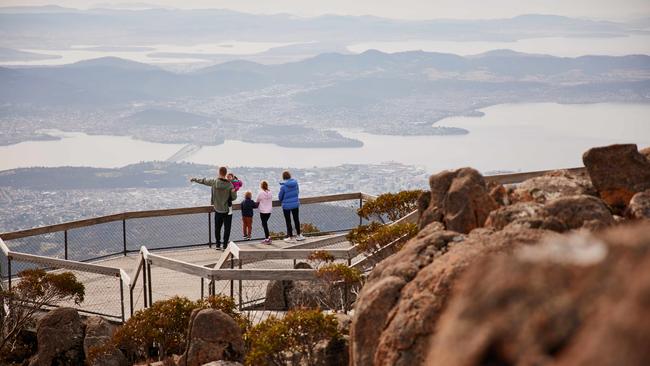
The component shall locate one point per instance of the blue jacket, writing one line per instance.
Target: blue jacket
(289, 194)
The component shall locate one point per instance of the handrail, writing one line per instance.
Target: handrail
(4, 247)
(66, 263)
(162, 212)
(512, 178)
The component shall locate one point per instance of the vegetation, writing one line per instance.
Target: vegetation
(390, 205)
(291, 340)
(35, 289)
(370, 239)
(161, 329)
(309, 228)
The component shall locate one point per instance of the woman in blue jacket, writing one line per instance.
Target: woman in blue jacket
(288, 196)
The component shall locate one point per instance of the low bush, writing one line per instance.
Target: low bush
(35, 289)
(371, 238)
(391, 205)
(161, 329)
(290, 340)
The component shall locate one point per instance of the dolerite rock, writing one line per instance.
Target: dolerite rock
(639, 207)
(552, 185)
(213, 335)
(500, 218)
(276, 295)
(405, 294)
(459, 199)
(60, 337)
(99, 333)
(222, 363)
(579, 211)
(645, 152)
(617, 172)
(287, 294)
(578, 299)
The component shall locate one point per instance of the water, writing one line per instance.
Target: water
(556, 46)
(515, 137)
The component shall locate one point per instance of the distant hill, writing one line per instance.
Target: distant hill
(360, 78)
(166, 117)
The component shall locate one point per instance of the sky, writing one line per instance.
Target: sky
(404, 9)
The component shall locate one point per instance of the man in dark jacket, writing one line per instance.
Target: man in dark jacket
(222, 191)
(289, 192)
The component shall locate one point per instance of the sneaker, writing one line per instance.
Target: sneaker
(288, 239)
(266, 241)
(300, 237)
(248, 237)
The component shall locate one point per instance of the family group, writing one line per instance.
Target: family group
(224, 192)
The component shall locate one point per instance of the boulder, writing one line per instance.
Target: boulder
(460, 199)
(276, 295)
(552, 185)
(287, 294)
(500, 218)
(212, 336)
(334, 352)
(579, 211)
(222, 363)
(645, 152)
(397, 309)
(60, 337)
(617, 172)
(97, 344)
(578, 299)
(639, 207)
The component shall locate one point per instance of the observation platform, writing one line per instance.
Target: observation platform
(129, 260)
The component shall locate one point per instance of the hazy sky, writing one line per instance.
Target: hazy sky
(411, 9)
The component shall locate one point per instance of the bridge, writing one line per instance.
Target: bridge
(129, 260)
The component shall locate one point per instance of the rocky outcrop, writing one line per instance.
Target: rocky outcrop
(459, 199)
(60, 336)
(213, 335)
(500, 218)
(579, 211)
(97, 344)
(556, 184)
(639, 207)
(405, 294)
(287, 294)
(223, 363)
(617, 172)
(578, 299)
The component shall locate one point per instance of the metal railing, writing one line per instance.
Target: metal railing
(71, 245)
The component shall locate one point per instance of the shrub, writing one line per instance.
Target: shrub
(341, 283)
(161, 329)
(309, 228)
(291, 340)
(35, 289)
(371, 238)
(276, 235)
(320, 257)
(391, 205)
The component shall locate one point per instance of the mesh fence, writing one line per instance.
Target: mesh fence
(167, 231)
(95, 241)
(102, 292)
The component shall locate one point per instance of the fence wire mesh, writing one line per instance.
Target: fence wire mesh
(102, 293)
(167, 231)
(87, 243)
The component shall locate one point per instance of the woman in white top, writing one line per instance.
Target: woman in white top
(265, 204)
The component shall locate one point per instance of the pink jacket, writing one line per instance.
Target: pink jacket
(265, 201)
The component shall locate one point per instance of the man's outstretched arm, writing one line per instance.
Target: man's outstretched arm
(204, 181)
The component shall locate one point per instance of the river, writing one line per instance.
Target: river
(512, 137)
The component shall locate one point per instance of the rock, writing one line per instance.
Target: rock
(97, 344)
(500, 218)
(552, 185)
(285, 295)
(212, 336)
(60, 337)
(499, 194)
(617, 172)
(459, 199)
(398, 307)
(332, 353)
(645, 152)
(343, 322)
(579, 211)
(579, 299)
(222, 363)
(639, 207)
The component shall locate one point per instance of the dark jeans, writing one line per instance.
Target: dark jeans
(225, 220)
(296, 220)
(265, 224)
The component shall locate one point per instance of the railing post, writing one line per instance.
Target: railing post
(144, 282)
(131, 298)
(121, 296)
(209, 229)
(65, 244)
(149, 279)
(232, 282)
(124, 235)
(9, 270)
(360, 206)
(240, 289)
(202, 290)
